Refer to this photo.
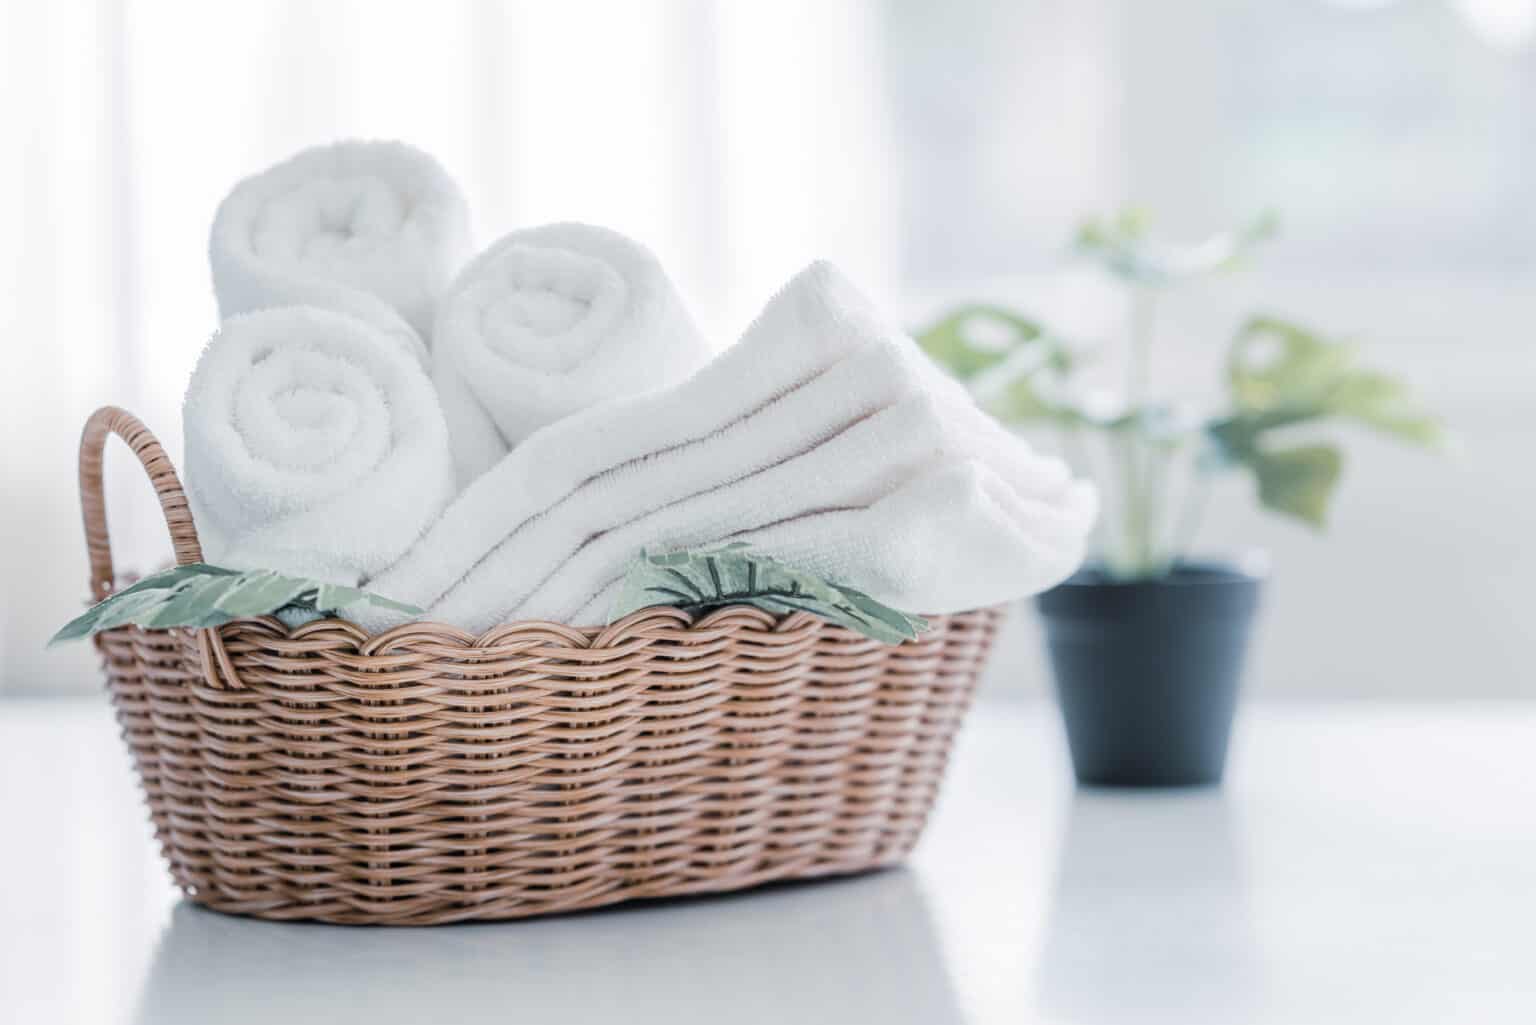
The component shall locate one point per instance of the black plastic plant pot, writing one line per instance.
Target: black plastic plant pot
(1147, 671)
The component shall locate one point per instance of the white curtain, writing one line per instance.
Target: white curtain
(702, 128)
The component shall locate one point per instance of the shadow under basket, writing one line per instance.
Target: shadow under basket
(425, 775)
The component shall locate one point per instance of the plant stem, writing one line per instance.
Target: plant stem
(1082, 457)
(1132, 542)
(1137, 486)
(1139, 361)
(1195, 501)
(1153, 483)
(1072, 448)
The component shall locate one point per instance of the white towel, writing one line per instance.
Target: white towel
(546, 322)
(374, 229)
(819, 407)
(801, 333)
(921, 546)
(314, 447)
(864, 466)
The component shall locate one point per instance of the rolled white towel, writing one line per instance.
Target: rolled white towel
(546, 322)
(820, 406)
(374, 229)
(808, 327)
(313, 446)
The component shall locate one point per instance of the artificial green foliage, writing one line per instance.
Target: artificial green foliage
(1281, 379)
(702, 579)
(200, 595)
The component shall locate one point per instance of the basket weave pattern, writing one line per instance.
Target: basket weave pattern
(427, 775)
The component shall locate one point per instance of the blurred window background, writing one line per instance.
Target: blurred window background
(937, 151)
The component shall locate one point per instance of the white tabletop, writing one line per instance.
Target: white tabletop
(1363, 864)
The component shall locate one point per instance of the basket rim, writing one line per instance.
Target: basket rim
(653, 623)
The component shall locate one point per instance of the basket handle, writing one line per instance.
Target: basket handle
(93, 507)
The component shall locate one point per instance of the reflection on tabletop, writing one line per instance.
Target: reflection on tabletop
(1113, 951)
(849, 950)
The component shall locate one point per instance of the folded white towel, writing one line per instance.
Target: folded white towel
(947, 540)
(313, 446)
(549, 321)
(860, 477)
(819, 407)
(801, 333)
(374, 229)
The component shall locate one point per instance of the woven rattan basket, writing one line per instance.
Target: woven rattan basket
(426, 775)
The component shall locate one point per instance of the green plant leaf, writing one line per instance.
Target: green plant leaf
(1280, 373)
(144, 594)
(115, 614)
(259, 592)
(1023, 399)
(201, 595)
(1122, 247)
(960, 341)
(1385, 404)
(1007, 359)
(899, 623)
(708, 578)
(340, 598)
(191, 603)
(1298, 481)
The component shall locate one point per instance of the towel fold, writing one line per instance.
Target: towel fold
(373, 229)
(546, 322)
(835, 486)
(820, 409)
(946, 541)
(314, 447)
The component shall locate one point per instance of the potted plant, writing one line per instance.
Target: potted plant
(1145, 641)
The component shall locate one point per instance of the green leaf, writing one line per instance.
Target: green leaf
(1006, 358)
(709, 578)
(1385, 404)
(1280, 373)
(259, 592)
(1021, 400)
(194, 602)
(339, 598)
(1121, 245)
(1298, 481)
(105, 616)
(200, 595)
(899, 623)
(125, 603)
(959, 341)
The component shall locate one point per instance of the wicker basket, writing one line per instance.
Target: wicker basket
(426, 775)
